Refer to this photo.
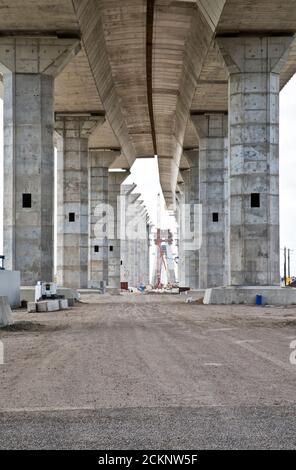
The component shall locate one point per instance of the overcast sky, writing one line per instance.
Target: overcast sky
(144, 174)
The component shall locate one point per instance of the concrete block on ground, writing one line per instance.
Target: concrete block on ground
(278, 296)
(41, 307)
(112, 290)
(64, 304)
(194, 294)
(71, 302)
(10, 282)
(53, 305)
(5, 313)
(32, 307)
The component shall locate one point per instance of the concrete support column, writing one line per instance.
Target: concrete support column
(143, 278)
(180, 201)
(114, 261)
(137, 275)
(212, 130)
(185, 226)
(98, 255)
(191, 192)
(193, 160)
(254, 65)
(127, 197)
(29, 67)
(72, 237)
(133, 237)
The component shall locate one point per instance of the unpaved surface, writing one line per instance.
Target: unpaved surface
(149, 372)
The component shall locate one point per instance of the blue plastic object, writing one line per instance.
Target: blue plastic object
(259, 299)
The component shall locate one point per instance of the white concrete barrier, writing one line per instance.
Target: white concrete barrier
(5, 313)
(279, 296)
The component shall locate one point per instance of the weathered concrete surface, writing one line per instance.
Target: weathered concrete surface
(114, 36)
(115, 181)
(212, 129)
(138, 372)
(190, 264)
(98, 255)
(10, 287)
(194, 200)
(254, 65)
(29, 67)
(184, 228)
(72, 237)
(135, 250)
(5, 312)
(247, 295)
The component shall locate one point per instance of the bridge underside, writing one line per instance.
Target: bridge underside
(195, 82)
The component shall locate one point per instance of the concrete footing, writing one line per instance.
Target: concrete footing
(5, 313)
(247, 295)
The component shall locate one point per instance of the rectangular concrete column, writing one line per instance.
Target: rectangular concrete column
(29, 67)
(212, 130)
(132, 237)
(143, 249)
(127, 197)
(191, 199)
(114, 198)
(138, 221)
(100, 220)
(192, 157)
(254, 65)
(185, 227)
(180, 198)
(147, 252)
(72, 237)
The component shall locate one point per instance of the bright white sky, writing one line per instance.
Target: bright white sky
(145, 174)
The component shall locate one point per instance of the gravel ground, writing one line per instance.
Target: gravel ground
(138, 372)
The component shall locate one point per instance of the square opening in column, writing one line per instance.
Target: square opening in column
(97, 249)
(215, 217)
(71, 216)
(255, 200)
(27, 200)
(111, 248)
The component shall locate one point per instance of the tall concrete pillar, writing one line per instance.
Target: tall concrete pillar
(114, 198)
(212, 130)
(127, 198)
(180, 216)
(143, 248)
(98, 255)
(29, 67)
(138, 214)
(185, 227)
(254, 65)
(132, 236)
(72, 198)
(191, 190)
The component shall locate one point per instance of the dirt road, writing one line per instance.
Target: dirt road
(149, 372)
